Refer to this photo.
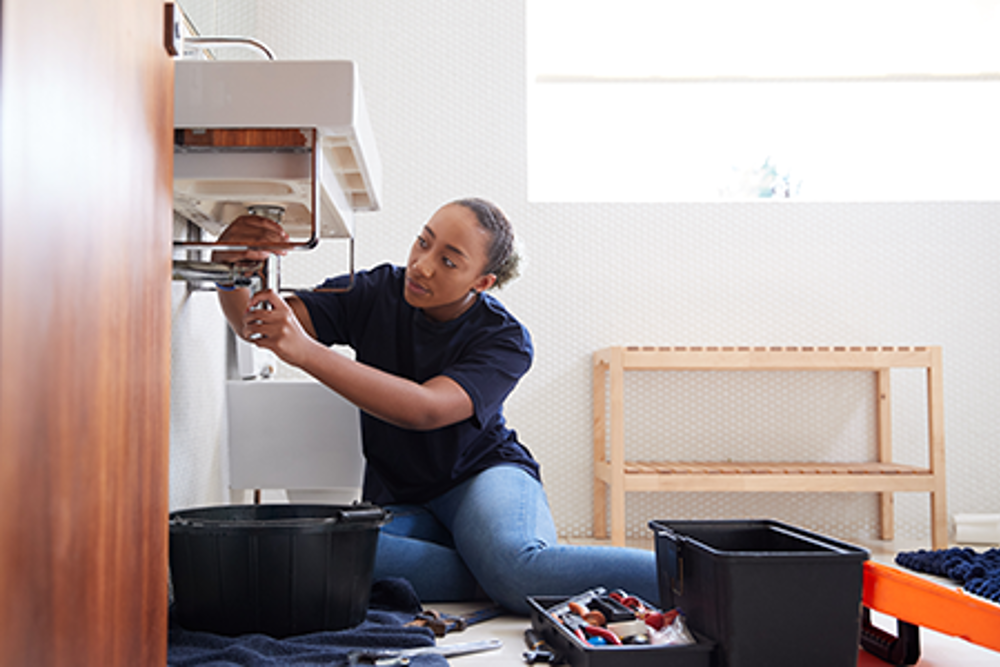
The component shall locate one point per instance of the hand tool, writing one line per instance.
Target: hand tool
(396, 656)
(538, 650)
(442, 623)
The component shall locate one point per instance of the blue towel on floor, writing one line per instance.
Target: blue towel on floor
(393, 604)
(979, 573)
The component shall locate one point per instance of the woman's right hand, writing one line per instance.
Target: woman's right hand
(250, 230)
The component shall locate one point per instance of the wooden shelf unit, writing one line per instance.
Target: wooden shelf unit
(615, 476)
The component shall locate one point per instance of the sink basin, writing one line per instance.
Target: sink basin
(320, 152)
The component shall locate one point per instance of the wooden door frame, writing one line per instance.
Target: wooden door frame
(85, 235)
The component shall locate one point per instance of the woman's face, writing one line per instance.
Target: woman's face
(444, 273)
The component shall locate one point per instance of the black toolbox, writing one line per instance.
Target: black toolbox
(571, 650)
(768, 593)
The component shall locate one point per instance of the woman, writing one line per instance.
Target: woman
(435, 357)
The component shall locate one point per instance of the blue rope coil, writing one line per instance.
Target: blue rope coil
(978, 573)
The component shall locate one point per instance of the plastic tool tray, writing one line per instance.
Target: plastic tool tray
(916, 602)
(577, 653)
(768, 593)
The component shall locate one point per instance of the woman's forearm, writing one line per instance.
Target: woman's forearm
(234, 305)
(286, 329)
(434, 404)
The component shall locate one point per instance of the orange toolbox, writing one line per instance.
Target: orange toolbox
(916, 602)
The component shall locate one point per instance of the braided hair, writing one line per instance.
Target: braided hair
(502, 258)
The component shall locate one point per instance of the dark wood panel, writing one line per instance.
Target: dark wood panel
(84, 332)
(242, 138)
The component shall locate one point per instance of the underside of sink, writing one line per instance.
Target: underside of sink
(290, 133)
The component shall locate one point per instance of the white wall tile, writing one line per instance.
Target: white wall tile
(445, 86)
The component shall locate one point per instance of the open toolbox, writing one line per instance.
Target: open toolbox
(572, 650)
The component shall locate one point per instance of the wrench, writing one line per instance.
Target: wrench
(393, 657)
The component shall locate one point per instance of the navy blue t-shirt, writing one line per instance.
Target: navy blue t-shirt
(485, 350)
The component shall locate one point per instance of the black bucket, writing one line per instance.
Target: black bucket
(275, 569)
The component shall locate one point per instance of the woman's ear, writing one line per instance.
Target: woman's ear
(484, 282)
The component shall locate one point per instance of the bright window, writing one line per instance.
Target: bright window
(661, 100)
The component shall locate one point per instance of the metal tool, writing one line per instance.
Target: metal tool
(583, 598)
(394, 656)
(538, 650)
(442, 623)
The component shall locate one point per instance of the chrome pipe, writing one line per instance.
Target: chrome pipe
(231, 41)
(233, 275)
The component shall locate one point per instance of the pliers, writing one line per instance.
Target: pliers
(440, 624)
(603, 633)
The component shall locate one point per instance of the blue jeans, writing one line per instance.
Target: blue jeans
(496, 530)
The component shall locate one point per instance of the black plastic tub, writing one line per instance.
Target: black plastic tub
(275, 569)
(766, 592)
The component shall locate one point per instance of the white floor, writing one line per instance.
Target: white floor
(937, 650)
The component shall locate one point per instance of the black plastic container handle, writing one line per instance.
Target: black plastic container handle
(369, 514)
(672, 558)
(360, 514)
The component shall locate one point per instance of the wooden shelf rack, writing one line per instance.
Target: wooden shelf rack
(615, 476)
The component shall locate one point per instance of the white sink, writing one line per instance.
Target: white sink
(213, 186)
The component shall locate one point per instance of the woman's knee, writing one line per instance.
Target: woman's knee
(509, 578)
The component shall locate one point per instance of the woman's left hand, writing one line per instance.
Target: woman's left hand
(270, 323)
